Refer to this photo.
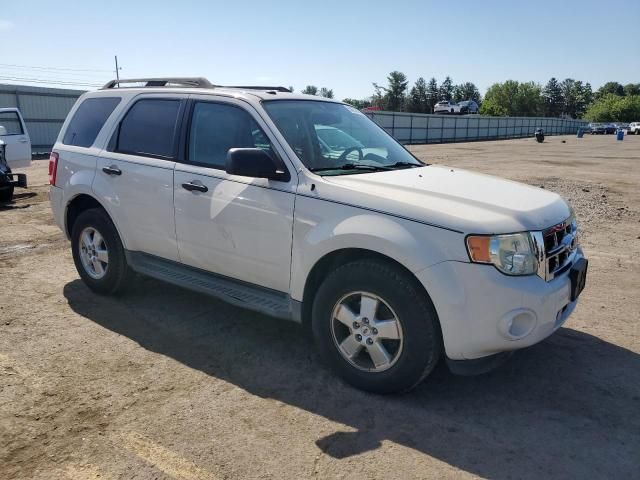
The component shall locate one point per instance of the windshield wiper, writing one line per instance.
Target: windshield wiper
(405, 165)
(353, 166)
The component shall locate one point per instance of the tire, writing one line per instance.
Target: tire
(6, 194)
(399, 295)
(116, 273)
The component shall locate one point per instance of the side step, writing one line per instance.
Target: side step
(260, 299)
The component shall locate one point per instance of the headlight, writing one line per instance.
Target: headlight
(512, 254)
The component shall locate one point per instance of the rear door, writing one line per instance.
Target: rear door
(134, 175)
(234, 226)
(13, 132)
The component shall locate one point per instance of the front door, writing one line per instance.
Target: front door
(234, 226)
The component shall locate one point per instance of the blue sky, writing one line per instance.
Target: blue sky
(345, 45)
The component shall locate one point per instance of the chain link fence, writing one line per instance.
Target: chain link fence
(418, 128)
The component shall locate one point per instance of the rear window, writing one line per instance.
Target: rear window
(149, 128)
(11, 123)
(89, 120)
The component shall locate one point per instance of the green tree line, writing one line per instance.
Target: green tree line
(568, 98)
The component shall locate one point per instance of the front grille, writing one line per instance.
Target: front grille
(560, 246)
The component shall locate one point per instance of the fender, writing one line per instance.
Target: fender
(324, 227)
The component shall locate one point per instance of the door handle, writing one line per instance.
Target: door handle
(112, 170)
(23, 140)
(195, 186)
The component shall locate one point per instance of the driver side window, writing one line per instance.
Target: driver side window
(216, 128)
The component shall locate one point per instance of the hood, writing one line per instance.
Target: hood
(448, 197)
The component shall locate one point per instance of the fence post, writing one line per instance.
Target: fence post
(410, 129)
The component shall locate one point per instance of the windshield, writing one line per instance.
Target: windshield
(335, 139)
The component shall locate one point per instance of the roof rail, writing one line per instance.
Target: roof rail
(197, 82)
(249, 87)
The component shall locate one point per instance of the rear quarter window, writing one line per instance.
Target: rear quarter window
(89, 120)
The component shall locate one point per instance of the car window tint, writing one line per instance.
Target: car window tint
(89, 120)
(215, 128)
(11, 123)
(149, 128)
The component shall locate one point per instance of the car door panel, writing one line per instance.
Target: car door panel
(237, 229)
(141, 198)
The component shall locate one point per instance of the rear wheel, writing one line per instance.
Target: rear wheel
(98, 253)
(6, 194)
(376, 327)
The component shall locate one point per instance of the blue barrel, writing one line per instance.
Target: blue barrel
(580, 133)
(620, 134)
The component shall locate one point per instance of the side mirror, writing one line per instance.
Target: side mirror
(256, 163)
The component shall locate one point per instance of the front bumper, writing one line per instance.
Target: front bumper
(483, 312)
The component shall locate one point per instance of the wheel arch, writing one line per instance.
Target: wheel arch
(332, 260)
(79, 204)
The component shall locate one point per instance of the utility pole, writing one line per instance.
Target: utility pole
(117, 72)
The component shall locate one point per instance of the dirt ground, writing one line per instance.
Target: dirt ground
(165, 383)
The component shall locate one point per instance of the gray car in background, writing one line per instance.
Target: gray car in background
(468, 106)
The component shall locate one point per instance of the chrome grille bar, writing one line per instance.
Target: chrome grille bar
(556, 248)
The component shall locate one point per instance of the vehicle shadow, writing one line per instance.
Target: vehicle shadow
(565, 408)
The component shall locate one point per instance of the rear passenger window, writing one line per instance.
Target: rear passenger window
(89, 120)
(215, 128)
(149, 128)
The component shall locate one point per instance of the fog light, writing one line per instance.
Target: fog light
(517, 324)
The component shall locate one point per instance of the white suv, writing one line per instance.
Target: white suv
(634, 128)
(446, 106)
(255, 196)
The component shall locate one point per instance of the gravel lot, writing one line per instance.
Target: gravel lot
(164, 383)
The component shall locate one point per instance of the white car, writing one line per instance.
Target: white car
(634, 128)
(393, 262)
(14, 134)
(446, 106)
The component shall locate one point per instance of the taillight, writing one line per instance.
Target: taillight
(53, 167)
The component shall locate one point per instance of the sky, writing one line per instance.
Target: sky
(343, 45)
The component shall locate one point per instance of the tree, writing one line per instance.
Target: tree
(313, 90)
(359, 104)
(512, 98)
(610, 87)
(396, 90)
(433, 94)
(310, 90)
(632, 89)
(393, 96)
(466, 91)
(569, 97)
(446, 89)
(418, 100)
(326, 93)
(552, 97)
(614, 108)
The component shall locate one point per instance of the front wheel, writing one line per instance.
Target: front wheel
(376, 327)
